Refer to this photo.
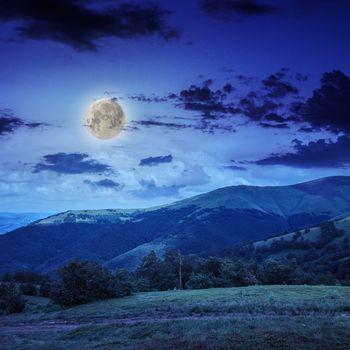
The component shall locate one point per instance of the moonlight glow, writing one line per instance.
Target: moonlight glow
(105, 119)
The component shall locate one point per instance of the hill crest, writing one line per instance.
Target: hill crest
(207, 223)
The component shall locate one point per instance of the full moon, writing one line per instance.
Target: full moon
(105, 119)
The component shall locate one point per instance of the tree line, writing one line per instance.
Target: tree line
(80, 282)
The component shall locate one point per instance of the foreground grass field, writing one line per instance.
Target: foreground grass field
(259, 317)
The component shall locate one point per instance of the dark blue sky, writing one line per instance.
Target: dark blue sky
(216, 93)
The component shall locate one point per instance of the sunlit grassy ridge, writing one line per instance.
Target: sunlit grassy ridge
(258, 317)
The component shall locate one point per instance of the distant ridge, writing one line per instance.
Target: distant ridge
(202, 224)
(11, 221)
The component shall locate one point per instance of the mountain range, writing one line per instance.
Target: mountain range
(11, 221)
(207, 223)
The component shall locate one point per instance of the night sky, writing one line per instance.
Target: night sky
(215, 92)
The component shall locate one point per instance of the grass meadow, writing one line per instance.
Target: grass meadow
(257, 317)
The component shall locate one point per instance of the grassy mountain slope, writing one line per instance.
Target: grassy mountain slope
(309, 235)
(320, 249)
(205, 223)
(232, 212)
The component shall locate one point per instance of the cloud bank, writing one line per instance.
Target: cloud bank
(80, 26)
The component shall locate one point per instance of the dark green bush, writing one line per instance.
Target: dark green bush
(140, 284)
(199, 281)
(29, 289)
(11, 300)
(25, 277)
(45, 290)
(82, 282)
(123, 283)
(275, 272)
(237, 274)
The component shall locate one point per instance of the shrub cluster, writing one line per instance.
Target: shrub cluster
(11, 300)
(323, 260)
(30, 283)
(85, 281)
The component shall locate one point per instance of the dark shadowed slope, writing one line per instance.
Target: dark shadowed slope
(205, 223)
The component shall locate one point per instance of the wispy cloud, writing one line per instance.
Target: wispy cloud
(153, 161)
(9, 123)
(151, 190)
(105, 183)
(243, 8)
(70, 163)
